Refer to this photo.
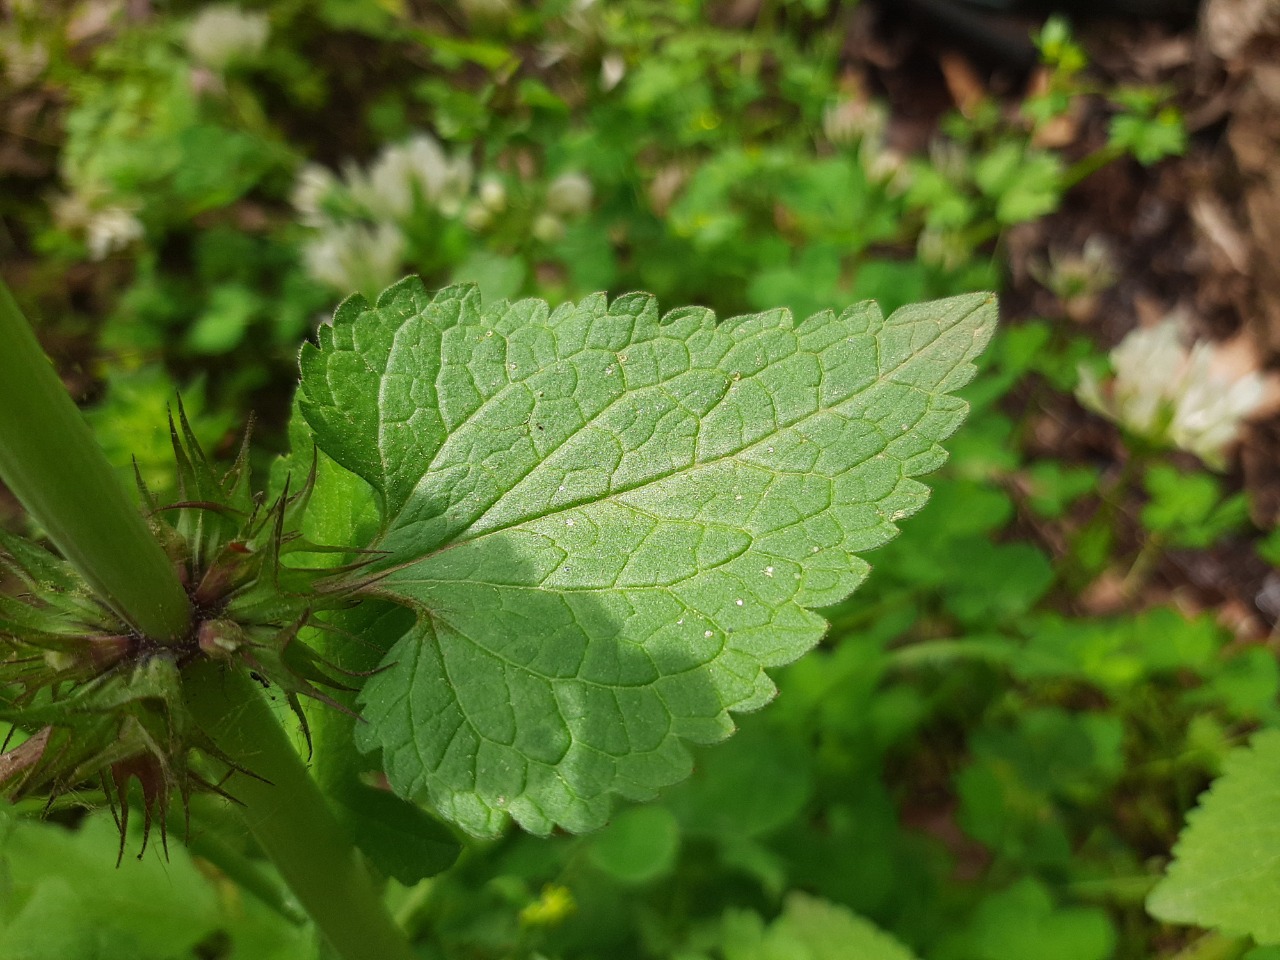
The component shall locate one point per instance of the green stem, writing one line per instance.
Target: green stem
(1090, 164)
(50, 461)
(290, 819)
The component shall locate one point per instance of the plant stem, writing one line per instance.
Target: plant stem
(289, 817)
(50, 461)
(1090, 164)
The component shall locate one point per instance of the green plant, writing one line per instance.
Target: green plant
(998, 738)
(616, 517)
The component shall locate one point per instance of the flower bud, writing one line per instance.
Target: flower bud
(548, 228)
(220, 639)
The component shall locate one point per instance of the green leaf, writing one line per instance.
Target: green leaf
(639, 845)
(611, 521)
(809, 929)
(1025, 183)
(1225, 873)
(749, 787)
(65, 898)
(402, 840)
(1023, 921)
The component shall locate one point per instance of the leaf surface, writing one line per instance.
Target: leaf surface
(611, 521)
(1225, 873)
(808, 929)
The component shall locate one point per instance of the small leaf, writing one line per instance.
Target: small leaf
(809, 929)
(639, 845)
(402, 840)
(611, 521)
(1225, 873)
(1023, 921)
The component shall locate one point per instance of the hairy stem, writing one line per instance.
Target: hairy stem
(289, 817)
(50, 461)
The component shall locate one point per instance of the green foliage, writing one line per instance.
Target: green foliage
(808, 929)
(1224, 874)
(965, 760)
(65, 899)
(618, 517)
(1189, 510)
(1023, 921)
(1148, 128)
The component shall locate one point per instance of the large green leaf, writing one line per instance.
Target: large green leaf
(64, 898)
(611, 521)
(1226, 868)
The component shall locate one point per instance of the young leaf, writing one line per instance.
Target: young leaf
(1225, 873)
(611, 521)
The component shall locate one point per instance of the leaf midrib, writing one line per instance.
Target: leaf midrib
(459, 539)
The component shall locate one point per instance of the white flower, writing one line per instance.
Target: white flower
(477, 216)
(353, 257)
(313, 186)
(1077, 278)
(1193, 398)
(884, 166)
(851, 120)
(569, 195)
(547, 228)
(942, 248)
(222, 33)
(612, 69)
(407, 173)
(493, 194)
(24, 61)
(455, 189)
(111, 229)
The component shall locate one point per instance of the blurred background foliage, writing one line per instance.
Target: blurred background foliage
(992, 753)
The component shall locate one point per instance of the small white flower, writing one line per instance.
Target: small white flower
(547, 227)
(569, 195)
(1196, 399)
(222, 34)
(352, 257)
(493, 194)
(314, 184)
(111, 229)
(477, 216)
(851, 120)
(612, 69)
(1077, 278)
(949, 159)
(385, 190)
(405, 174)
(456, 187)
(884, 166)
(24, 61)
(943, 248)
(71, 211)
